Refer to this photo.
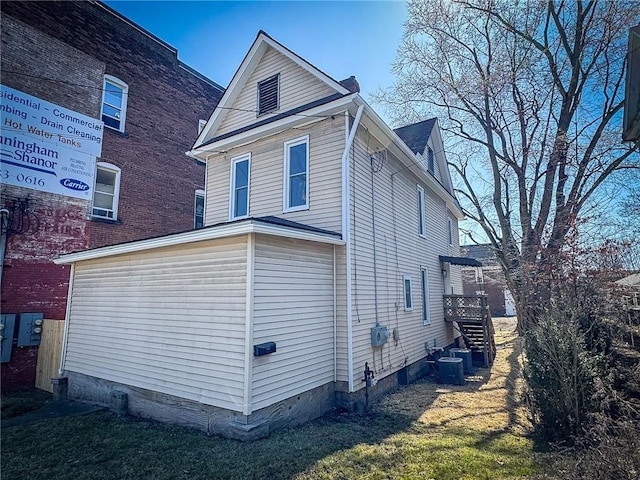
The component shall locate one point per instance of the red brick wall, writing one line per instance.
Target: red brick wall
(493, 286)
(59, 51)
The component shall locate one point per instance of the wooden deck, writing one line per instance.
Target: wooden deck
(471, 313)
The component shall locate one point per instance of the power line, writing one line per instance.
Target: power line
(127, 93)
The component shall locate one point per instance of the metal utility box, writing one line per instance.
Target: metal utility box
(6, 334)
(379, 335)
(465, 355)
(264, 349)
(30, 329)
(451, 370)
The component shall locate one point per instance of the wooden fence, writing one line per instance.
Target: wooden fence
(49, 353)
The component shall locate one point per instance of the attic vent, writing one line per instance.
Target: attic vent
(268, 95)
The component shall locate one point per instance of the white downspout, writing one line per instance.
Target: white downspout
(67, 320)
(346, 231)
(248, 332)
(335, 319)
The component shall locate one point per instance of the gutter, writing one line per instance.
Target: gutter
(211, 233)
(346, 230)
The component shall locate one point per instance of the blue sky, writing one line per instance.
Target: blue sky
(341, 38)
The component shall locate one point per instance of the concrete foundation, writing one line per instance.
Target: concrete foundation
(295, 410)
(212, 420)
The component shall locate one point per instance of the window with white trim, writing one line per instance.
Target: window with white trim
(296, 175)
(114, 103)
(239, 195)
(268, 95)
(408, 298)
(430, 160)
(422, 230)
(450, 231)
(424, 288)
(198, 209)
(106, 191)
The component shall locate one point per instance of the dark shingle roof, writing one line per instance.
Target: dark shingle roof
(484, 253)
(416, 135)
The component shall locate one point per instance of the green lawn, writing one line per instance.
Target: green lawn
(424, 431)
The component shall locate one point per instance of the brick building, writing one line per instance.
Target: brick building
(487, 280)
(88, 91)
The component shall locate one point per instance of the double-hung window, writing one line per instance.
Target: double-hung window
(106, 191)
(239, 198)
(424, 287)
(422, 230)
(198, 210)
(408, 298)
(296, 174)
(450, 231)
(114, 103)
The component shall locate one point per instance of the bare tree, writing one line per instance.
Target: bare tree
(532, 93)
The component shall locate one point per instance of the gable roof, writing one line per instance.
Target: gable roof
(345, 99)
(416, 135)
(249, 63)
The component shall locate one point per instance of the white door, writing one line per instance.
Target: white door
(509, 304)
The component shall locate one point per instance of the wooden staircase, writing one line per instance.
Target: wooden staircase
(471, 313)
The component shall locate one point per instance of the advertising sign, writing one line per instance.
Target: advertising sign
(47, 147)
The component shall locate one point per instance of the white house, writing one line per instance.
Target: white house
(328, 245)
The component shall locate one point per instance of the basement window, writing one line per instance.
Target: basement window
(268, 95)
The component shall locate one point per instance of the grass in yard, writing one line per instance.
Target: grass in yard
(18, 403)
(475, 431)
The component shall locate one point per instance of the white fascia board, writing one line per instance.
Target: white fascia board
(327, 109)
(247, 66)
(405, 155)
(212, 233)
(233, 90)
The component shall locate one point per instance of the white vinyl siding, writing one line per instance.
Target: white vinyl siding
(170, 320)
(296, 87)
(326, 143)
(293, 307)
(399, 251)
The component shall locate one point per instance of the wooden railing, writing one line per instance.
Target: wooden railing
(467, 308)
(472, 315)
